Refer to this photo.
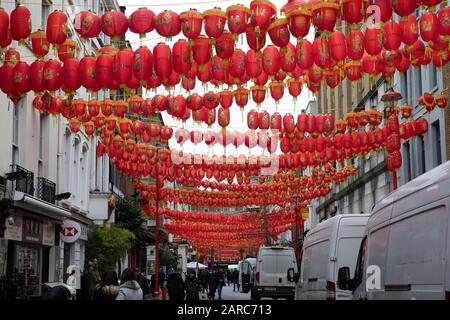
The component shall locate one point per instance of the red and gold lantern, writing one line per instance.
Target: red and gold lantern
(168, 24)
(261, 13)
(215, 20)
(57, 27)
(36, 75)
(238, 16)
(87, 24)
(114, 24)
(39, 43)
(142, 21)
(191, 23)
(279, 32)
(20, 23)
(52, 75)
(162, 59)
(143, 64)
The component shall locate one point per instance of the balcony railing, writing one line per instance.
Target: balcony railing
(46, 190)
(25, 182)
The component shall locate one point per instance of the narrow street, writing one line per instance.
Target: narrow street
(229, 294)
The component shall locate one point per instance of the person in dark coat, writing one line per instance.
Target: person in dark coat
(203, 276)
(85, 283)
(193, 287)
(58, 293)
(229, 277)
(212, 285)
(143, 282)
(175, 286)
(235, 279)
(220, 275)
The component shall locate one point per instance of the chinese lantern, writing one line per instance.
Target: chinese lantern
(315, 74)
(223, 117)
(355, 44)
(303, 53)
(429, 29)
(261, 13)
(443, 21)
(288, 123)
(255, 40)
(238, 16)
(410, 30)
(6, 40)
(324, 15)
(353, 70)
(120, 107)
(374, 40)
(70, 75)
(188, 84)
(210, 116)
(253, 63)
(36, 75)
(224, 45)
(404, 8)
(441, 101)
(67, 50)
(258, 94)
(217, 69)
(56, 27)
(285, 144)
(237, 64)
(104, 70)
(211, 100)
(21, 77)
(299, 22)
(271, 60)
(241, 97)
(406, 111)
(114, 24)
(321, 53)
(162, 60)
(422, 125)
(393, 35)
(279, 32)
(168, 24)
(20, 23)
(87, 75)
(191, 23)
(52, 75)
(404, 64)
(201, 50)
(142, 21)
(287, 58)
(295, 88)
(337, 46)
(276, 121)
(4, 25)
(74, 125)
(39, 43)
(215, 20)
(352, 11)
(87, 24)
(276, 90)
(143, 64)
(311, 123)
(264, 120)
(252, 120)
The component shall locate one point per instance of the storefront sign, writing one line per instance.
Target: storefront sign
(70, 231)
(151, 256)
(48, 238)
(14, 231)
(32, 230)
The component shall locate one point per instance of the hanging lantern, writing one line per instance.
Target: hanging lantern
(52, 75)
(87, 24)
(70, 75)
(5, 39)
(20, 23)
(241, 97)
(355, 44)
(337, 46)
(188, 84)
(36, 75)
(321, 53)
(67, 50)
(279, 32)
(94, 108)
(223, 117)
(142, 21)
(210, 116)
(271, 60)
(39, 43)
(168, 24)
(237, 64)
(104, 70)
(304, 55)
(74, 125)
(56, 27)
(21, 77)
(352, 11)
(404, 8)
(261, 13)
(252, 120)
(114, 24)
(404, 64)
(215, 20)
(315, 74)
(276, 90)
(258, 94)
(191, 23)
(406, 111)
(444, 21)
(211, 100)
(324, 15)
(253, 63)
(276, 121)
(287, 58)
(226, 99)
(217, 69)
(288, 123)
(410, 30)
(299, 22)
(87, 67)
(441, 101)
(295, 88)
(429, 29)
(353, 70)
(120, 107)
(393, 35)
(143, 64)
(264, 120)
(162, 60)
(351, 120)
(238, 16)
(224, 45)
(255, 40)
(4, 25)
(374, 37)
(201, 50)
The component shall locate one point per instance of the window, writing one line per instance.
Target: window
(421, 155)
(433, 77)
(436, 140)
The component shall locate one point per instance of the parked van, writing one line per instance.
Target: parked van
(246, 269)
(271, 277)
(405, 253)
(328, 246)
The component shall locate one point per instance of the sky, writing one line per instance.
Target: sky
(236, 123)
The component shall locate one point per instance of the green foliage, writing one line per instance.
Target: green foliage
(108, 245)
(129, 216)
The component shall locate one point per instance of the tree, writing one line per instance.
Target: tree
(108, 245)
(129, 216)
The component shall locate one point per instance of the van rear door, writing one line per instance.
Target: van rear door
(275, 263)
(315, 262)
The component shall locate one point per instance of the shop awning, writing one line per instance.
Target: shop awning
(29, 203)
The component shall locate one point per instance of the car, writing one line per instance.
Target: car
(405, 252)
(328, 246)
(273, 266)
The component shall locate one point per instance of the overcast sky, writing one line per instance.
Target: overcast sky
(236, 123)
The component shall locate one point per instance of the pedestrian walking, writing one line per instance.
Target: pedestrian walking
(204, 280)
(176, 286)
(193, 287)
(129, 287)
(95, 278)
(235, 279)
(109, 288)
(220, 282)
(212, 285)
(229, 277)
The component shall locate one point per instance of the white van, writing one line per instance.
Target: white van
(406, 249)
(328, 246)
(246, 271)
(271, 277)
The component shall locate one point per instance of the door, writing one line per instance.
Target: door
(246, 272)
(274, 267)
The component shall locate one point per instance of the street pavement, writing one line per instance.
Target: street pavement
(228, 294)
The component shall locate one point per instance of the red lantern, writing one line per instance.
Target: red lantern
(104, 70)
(57, 27)
(143, 64)
(20, 23)
(374, 40)
(337, 46)
(258, 94)
(188, 84)
(288, 123)
(6, 40)
(261, 13)
(299, 22)
(271, 60)
(279, 32)
(237, 63)
(211, 100)
(393, 35)
(52, 75)
(39, 43)
(67, 50)
(223, 117)
(168, 24)
(252, 120)
(226, 99)
(225, 45)
(253, 63)
(215, 20)
(314, 74)
(410, 30)
(264, 120)
(295, 87)
(321, 53)
(275, 121)
(114, 24)
(87, 24)
(210, 116)
(36, 75)
(288, 60)
(444, 21)
(191, 23)
(241, 97)
(21, 77)
(352, 11)
(201, 50)
(255, 40)
(429, 29)
(355, 44)
(404, 8)
(142, 21)
(276, 90)
(4, 25)
(70, 75)
(324, 15)
(87, 75)
(238, 16)
(162, 59)
(404, 64)
(303, 53)
(353, 70)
